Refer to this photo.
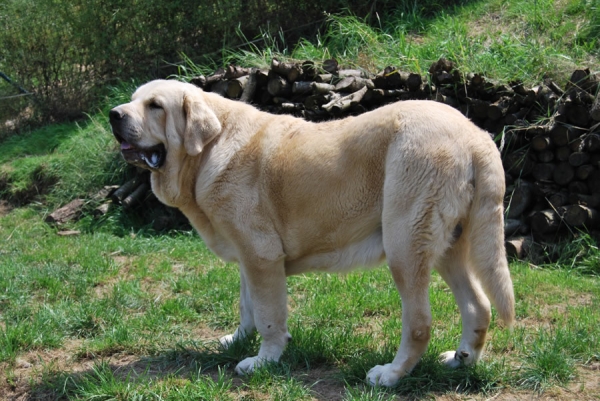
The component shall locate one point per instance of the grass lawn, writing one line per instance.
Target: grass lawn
(119, 312)
(106, 315)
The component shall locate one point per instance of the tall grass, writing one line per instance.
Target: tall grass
(506, 41)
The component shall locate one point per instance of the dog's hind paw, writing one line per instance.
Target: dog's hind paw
(248, 365)
(383, 375)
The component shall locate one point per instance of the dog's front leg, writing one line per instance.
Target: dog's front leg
(266, 285)
(247, 326)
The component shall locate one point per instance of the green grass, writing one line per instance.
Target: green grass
(58, 163)
(120, 312)
(518, 40)
(110, 316)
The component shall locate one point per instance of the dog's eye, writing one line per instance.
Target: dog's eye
(154, 105)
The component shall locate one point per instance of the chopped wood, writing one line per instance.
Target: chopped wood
(592, 200)
(353, 84)
(562, 153)
(554, 87)
(331, 66)
(68, 233)
(351, 73)
(102, 209)
(518, 247)
(579, 96)
(325, 78)
(545, 156)
(309, 70)
(291, 71)
(592, 142)
(582, 216)
(595, 110)
(578, 115)
(512, 226)
(199, 81)
(235, 87)
(136, 196)
(479, 107)
(584, 79)
(545, 221)
(498, 109)
(336, 106)
(593, 182)
(563, 173)
(390, 78)
(520, 200)
(518, 163)
(577, 159)
(558, 199)
(543, 171)
(583, 172)
(234, 72)
(322, 88)
(105, 192)
(250, 87)
(302, 87)
(540, 143)
(413, 82)
(220, 88)
(289, 107)
(216, 77)
(577, 145)
(561, 134)
(278, 85)
(127, 188)
(71, 211)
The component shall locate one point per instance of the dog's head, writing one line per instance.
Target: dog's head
(163, 117)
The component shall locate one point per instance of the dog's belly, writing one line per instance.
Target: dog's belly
(367, 252)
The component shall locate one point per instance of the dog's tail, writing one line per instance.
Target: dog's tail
(486, 235)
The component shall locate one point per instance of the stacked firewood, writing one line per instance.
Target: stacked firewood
(549, 136)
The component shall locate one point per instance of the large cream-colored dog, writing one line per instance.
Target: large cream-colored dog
(413, 183)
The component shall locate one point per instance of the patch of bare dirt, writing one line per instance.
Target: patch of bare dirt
(16, 378)
(5, 208)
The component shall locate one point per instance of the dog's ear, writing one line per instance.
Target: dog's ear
(201, 124)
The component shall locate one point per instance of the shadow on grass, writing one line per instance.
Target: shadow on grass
(212, 365)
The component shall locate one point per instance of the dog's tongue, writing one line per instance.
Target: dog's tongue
(126, 146)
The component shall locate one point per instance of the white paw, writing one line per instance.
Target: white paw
(382, 375)
(248, 365)
(226, 341)
(454, 359)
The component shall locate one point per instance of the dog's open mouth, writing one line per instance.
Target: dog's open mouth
(152, 158)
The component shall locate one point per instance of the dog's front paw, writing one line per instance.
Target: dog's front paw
(454, 359)
(227, 340)
(383, 375)
(248, 365)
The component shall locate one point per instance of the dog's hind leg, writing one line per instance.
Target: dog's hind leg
(410, 266)
(247, 326)
(473, 304)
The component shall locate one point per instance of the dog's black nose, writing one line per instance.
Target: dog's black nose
(115, 115)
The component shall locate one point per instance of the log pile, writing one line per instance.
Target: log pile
(549, 136)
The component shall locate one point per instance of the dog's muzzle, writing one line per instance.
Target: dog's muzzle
(150, 158)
